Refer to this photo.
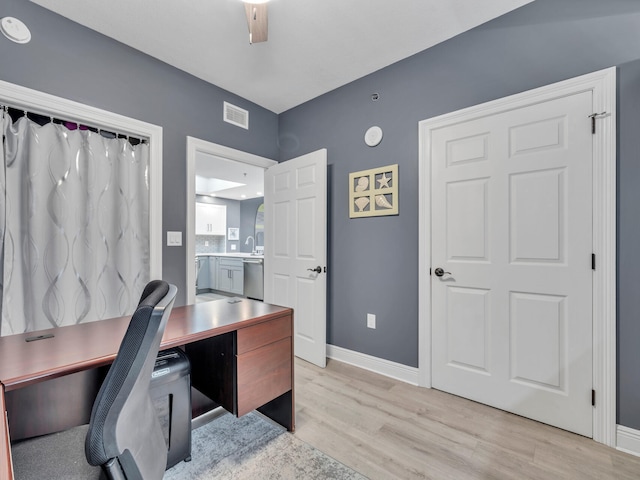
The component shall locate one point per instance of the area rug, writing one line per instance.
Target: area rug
(251, 447)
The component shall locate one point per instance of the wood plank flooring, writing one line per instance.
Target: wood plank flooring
(387, 429)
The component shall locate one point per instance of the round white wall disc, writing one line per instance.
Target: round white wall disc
(15, 30)
(373, 136)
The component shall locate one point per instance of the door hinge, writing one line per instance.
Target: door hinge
(593, 398)
(593, 261)
(593, 118)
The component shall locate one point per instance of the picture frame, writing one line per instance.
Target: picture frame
(374, 192)
(233, 233)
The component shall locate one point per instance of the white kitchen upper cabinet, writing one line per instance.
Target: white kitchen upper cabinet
(211, 219)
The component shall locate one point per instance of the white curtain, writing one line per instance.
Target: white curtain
(74, 226)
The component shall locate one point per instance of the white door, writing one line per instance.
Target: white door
(295, 248)
(512, 232)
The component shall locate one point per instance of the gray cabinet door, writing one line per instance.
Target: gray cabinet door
(237, 280)
(230, 275)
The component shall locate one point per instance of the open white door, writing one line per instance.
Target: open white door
(295, 248)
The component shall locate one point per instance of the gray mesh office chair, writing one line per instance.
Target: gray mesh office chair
(124, 436)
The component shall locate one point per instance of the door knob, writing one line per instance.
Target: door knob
(318, 269)
(440, 272)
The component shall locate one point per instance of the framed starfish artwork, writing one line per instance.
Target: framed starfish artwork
(374, 192)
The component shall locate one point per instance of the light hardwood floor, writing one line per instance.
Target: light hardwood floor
(208, 297)
(387, 429)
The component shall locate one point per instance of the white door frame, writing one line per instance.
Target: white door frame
(603, 86)
(195, 145)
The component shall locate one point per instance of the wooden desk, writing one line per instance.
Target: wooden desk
(6, 468)
(241, 357)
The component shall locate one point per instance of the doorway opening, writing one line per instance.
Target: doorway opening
(224, 190)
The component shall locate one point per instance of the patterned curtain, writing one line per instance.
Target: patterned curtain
(74, 226)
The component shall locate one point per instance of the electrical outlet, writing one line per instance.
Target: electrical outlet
(233, 246)
(371, 320)
(206, 243)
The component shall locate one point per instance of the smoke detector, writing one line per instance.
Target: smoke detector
(15, 30)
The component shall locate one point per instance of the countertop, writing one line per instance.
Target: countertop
(237, 255)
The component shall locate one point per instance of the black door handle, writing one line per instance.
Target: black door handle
(440, 272)
(318, 269)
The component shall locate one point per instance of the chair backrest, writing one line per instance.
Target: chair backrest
(125, 436)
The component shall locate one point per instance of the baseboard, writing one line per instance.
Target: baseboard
(374, 364)
(628, 440)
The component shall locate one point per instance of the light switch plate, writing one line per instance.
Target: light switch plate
(233, 246)
(174, 239)
(371, 320)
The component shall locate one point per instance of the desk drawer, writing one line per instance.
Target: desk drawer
(263, 374)
(263, 334)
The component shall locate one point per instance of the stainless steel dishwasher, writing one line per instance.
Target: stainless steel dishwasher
(253, 278)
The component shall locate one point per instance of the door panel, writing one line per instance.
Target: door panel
(537, 136)
(281, 220)
(295, 219)
(306, 219)
(537, 232)
(538, 340)
(511, 221)
(306, 304)
(467, 220)
(468, 328)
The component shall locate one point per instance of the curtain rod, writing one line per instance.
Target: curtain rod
(55, 119)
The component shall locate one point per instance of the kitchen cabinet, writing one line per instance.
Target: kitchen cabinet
(211, 219)
(230, 275)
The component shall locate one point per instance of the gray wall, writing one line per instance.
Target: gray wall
(248, 210)
(70, 61)
(373, 263)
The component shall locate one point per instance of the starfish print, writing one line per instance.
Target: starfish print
(384, 181)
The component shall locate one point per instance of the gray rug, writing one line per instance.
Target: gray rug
(59, 456)
(253, 448)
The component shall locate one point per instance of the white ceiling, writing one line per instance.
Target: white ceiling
(213, 171)
(314, 46)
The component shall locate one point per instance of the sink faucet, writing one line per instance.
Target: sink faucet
(253, 243)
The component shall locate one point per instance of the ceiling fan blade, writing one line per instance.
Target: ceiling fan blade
(257, 22)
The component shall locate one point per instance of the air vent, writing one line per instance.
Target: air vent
(236, 115)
